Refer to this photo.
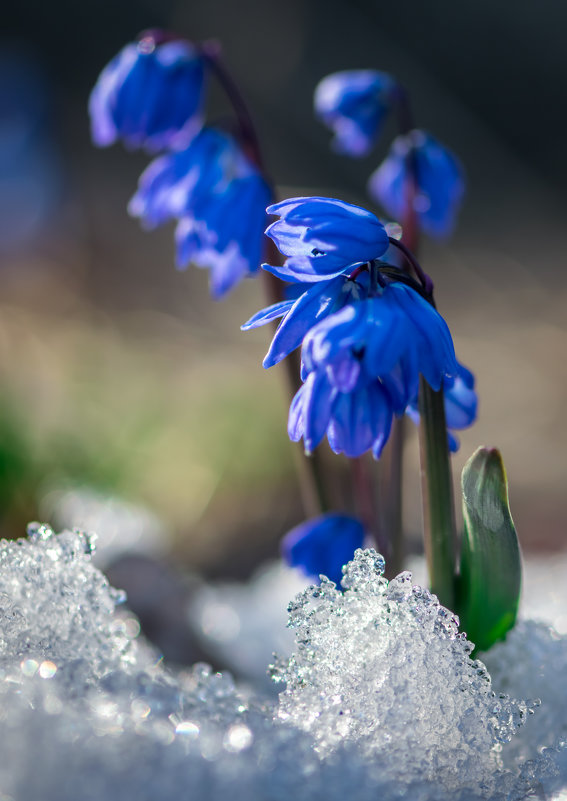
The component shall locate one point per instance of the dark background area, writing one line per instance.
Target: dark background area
(488, 79)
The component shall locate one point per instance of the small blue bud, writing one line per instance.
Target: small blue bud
(354, 104)
(150, 95)
(440, 182)
(323, 237)
(323, 545)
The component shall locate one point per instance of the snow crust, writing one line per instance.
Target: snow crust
(381, 699)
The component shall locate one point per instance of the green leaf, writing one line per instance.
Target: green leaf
(488, 588)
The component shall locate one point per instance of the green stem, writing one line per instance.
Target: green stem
(437, 492)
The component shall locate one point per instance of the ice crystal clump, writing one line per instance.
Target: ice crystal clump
(384, 666)
(87, 712)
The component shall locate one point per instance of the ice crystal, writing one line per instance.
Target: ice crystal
(383, 665)
(88, 713)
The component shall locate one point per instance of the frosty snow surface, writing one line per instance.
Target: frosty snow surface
(380, 698)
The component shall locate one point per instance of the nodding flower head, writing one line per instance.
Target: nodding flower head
(223, 232)
(174, 183)
(323, 237)
(219, 198)
(355, 104)
(394, 336)
(150, 95)
(440, 183)
(322, 546)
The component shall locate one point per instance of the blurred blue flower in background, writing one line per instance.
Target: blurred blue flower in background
(223, 229)
(439, 177)
(323, 237)
(354, 104)
(461, 404)
(150, 95)
(171, 183)
(323, 545)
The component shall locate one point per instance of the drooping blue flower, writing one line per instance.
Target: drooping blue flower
(222, 231)
(323, 545)
(461, 402)
(323, 237)
(354, 421)
(301, 314)
(150, 95)
(172, 183)
(439, 176)
(393, 336)
(354, 104)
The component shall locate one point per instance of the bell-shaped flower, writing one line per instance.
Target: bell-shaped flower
(354, 105)
(395, 336)
(299, 315)
(172, 183)
(461, 403)
(323, 237)
(440, 183)
(354, 422)
(322, 546)
(223, 229)
(150, 95)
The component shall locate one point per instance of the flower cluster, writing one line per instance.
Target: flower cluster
(152, 96)
(366, 330)
(355, 104)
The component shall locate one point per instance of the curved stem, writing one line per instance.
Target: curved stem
(425, 279)
(211, 54)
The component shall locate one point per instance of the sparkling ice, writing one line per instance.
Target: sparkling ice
(379, 700)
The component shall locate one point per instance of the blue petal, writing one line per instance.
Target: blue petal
(323, 545)
(313, 305)
(267, 315)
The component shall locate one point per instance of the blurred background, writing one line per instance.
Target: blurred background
(130, 400)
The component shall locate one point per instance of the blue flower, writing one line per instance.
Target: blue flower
(354, 421)
(323, 545)
(394, 336)
(222, 231)
(300, 314)
(354, 104)
(172, 183)
(461, 402)
(323, 237)
(439, 176)
(150, 95)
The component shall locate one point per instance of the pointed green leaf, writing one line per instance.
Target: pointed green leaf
(491, 565)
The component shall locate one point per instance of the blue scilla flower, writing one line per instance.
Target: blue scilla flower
(461, 402)
(150, 95)
(394, 335)
(354, 421)
(439, 177)
(223, 229)
(323, 237)
(174, 183)
(299, 315)
(323, 545)
(354, 104)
